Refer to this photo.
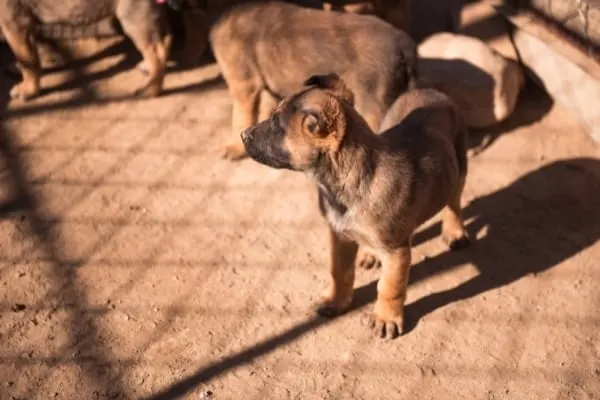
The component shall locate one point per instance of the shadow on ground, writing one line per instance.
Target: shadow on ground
(532, 106)
(65, 290)
(71, 62)
(546, 216)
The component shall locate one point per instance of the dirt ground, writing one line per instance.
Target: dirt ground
(134, 263)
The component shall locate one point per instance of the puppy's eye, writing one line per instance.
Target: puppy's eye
(311, 123)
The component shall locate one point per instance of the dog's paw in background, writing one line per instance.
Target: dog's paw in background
(24, 91)
(234, 152)
(143, 67)
(333, 305)
(330, 309)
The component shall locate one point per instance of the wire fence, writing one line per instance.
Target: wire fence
(579, 18)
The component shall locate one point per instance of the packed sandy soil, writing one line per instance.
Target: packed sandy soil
(135, 263)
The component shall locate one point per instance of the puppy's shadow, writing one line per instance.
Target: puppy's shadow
(534, 224)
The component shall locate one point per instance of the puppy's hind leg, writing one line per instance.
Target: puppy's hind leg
(453, 231)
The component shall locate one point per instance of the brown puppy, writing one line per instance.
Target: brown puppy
(142, 21)
(269, 46)
(374, 190)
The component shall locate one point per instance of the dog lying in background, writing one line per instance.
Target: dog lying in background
(483, 83)
(374, 190)
(142, 21)
(268, 46)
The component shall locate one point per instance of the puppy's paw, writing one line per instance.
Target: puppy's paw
(332, 307)
(456, 239)
(23, 91)
(148, 91)
(387, 319)
(386, 329)
(142, 66)
(369, 261)
(234, 152)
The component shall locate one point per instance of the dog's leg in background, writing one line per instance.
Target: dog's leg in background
(152, 38)
(388, 313)
(342, 267)
(246, 98)
(21, 40)
(267, 104)
(245, 84)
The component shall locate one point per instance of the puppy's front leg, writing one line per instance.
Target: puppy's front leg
(342, 266)
(388, 313)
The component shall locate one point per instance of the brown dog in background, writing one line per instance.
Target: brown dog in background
(269, 46)
(374, 190)
(142, 21)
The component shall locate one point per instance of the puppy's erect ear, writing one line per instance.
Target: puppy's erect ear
(333, 83)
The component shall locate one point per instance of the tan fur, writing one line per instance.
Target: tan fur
(374, 190)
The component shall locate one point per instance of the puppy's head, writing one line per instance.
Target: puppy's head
(304, 126)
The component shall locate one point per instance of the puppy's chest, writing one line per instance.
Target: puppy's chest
(348, 221)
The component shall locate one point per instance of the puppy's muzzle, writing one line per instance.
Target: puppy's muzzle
(265, 146)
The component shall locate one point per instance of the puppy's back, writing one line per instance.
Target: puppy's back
(429, 120)
(286, 41)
